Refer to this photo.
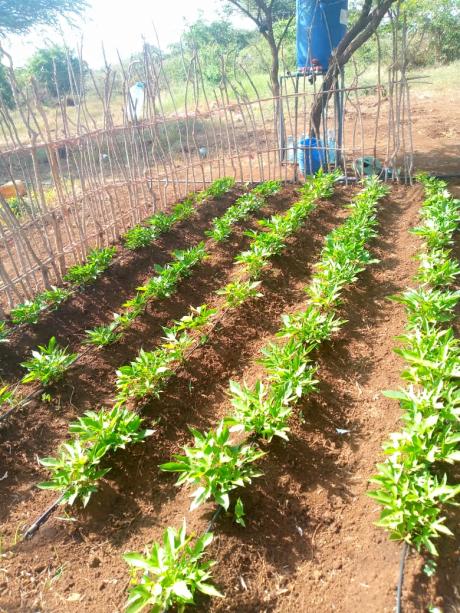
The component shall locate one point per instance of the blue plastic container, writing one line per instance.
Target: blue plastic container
(320, 27)
(311, 155)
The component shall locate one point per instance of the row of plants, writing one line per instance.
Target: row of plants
(146, 376)
(30, 311)
(413, 483)
(215, 455)
(143, 236)
(164, 283)
(49, 362)
(98, 260)
(219, 461)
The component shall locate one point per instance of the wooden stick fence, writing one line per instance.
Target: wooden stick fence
(90, 172)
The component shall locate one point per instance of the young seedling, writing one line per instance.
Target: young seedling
(48, 364)
(97, 262)
(216, 465)
(170, 574)
(76, 471)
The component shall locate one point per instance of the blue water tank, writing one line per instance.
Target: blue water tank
(321, 25)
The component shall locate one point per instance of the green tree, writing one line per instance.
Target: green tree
(215, 41)
(265, 14)
(6, 93)
(53, 68)
(19, 16)
(433, 30)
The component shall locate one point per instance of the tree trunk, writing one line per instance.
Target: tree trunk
(367, 24)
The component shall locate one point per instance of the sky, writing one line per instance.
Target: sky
(121, 25)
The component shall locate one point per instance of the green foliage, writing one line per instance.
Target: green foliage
(142, 236)
(244, 206)
(76, 470)
(216, 465)
(48, 364)
(437, 268)
(256, 410)
(7, 397)
(219, 187)
(139, 236)
(97, 261)
(54, 67)
(411, 486)
(19, 16)
(426, 306)
(6, 92)
(103, 335)
(265, 408)
(146, 375)
(29, 312)
(237, 292)
(271, 242)
(171, 573)
(218, 42)
(4, 332)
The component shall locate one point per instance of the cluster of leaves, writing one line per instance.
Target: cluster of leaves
(146, 375)
(4, 331)
(411, 484)
(142, 236)
(171, 573)
(29, 312)
(265, 408)
(76, 470)
(48, 364)
(7, 397)
(97, 261)
(162, 285)
(241, 209)
(216, 465)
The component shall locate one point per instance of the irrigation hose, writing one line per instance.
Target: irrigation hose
(402, 564)
(43, 518)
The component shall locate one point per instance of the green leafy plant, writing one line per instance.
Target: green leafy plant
(103, 335)
(219, 187)
(216, 465)
(4, 332)
(243, 207)
(145, 375)
(97, 261)
(171, 573)
(437, 268)
(426, 305)
(56, 295)
(27, 313)
(76, 470)
(237, 292)
(139, 236)
(48, 364)
(142, 236)
(7, 396)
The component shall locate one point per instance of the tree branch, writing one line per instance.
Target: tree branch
(286, 28)
(363, 29)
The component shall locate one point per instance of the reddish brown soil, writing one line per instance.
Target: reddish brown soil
(309, 542)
